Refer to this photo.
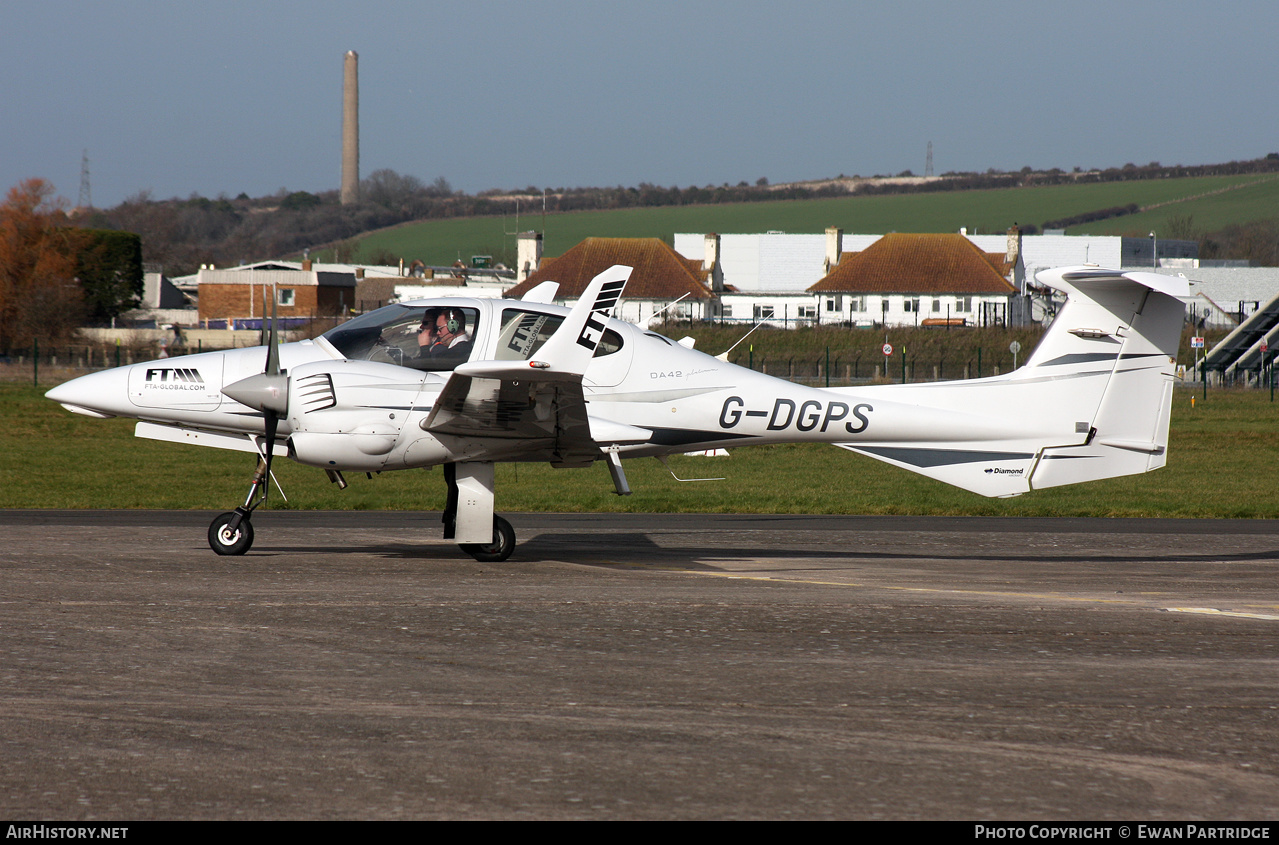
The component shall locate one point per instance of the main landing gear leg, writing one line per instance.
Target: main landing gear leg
(468, 514)
(231, 533)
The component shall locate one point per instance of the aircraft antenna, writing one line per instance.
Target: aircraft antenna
(724, 355)
(668, 305)
(662, 458)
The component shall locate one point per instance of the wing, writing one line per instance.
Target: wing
(535, 409)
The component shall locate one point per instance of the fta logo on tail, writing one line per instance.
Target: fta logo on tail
(591, 333)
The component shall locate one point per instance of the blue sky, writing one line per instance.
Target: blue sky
(222, 97)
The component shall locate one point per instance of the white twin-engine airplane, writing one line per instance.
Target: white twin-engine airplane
(469, 382)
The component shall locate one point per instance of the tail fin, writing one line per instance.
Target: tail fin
(1128, 433)
(1092, 402)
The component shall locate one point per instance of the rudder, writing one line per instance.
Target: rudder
(1128, 434)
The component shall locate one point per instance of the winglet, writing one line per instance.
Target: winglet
(571, 348)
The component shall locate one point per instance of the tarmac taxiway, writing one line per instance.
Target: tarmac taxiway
(353, 665)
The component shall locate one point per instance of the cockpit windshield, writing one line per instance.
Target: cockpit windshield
(432, 338)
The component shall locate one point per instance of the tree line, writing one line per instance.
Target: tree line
(179, 235)
(56, 276)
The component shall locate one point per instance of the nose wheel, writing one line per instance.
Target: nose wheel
(231, 533)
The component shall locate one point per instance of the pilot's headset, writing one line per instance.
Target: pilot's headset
(454, 321)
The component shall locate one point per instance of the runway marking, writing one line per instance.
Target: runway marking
(994, 593)
(1212, 611)
(938, 590)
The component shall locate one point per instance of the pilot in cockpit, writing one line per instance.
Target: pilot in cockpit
(426, 336)
(436, 338)
(450, 340)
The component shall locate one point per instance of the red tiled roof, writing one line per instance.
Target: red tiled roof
(660, 271)
(906, 263)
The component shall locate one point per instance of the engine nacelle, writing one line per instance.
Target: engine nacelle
(349, 415)
(346, 451)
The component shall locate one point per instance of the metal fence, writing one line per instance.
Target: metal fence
(42, 364)
(838, 370)
(54, 364)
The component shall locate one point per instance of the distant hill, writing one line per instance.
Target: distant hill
(401, 217)
(1188, 207)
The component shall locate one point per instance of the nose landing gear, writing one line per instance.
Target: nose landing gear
(231, 533)
(228, 539)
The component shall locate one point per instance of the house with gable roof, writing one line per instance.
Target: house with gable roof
(923, 279)
(660, 277)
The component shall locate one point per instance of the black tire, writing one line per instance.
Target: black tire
(498, 550)
(224, 542)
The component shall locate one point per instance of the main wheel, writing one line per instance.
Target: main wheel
(498, 550)
(224, 541)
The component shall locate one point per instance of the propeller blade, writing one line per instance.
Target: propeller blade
(268, 391)
(272, 425)
(262, 328)
(273, 342)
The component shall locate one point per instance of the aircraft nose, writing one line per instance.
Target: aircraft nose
(102, 394)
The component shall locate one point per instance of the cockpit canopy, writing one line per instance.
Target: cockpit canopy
(438, 335)
(424, 338)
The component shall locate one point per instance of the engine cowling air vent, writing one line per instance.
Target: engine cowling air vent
(316, 392)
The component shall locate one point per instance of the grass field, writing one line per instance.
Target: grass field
(1220, 460)
(1250, 197)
